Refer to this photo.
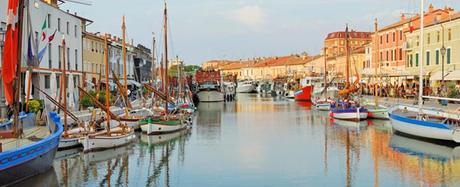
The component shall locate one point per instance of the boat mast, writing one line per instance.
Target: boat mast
(347, 52)
(376, 63)
(166, 58)
(421, 37)
(107, 91)
(325, 74)
(64, 85)
(153, 60)
(123, 28)
(16, 129)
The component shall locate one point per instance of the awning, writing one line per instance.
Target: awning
(453, 76)
(437, 76)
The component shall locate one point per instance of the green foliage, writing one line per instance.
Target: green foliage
(191, 69)
(34, 106)
(87, 102)
(453, 93)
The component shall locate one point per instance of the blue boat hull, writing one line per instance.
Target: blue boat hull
(22, 163)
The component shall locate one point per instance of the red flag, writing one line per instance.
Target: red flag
(10, 51)
(51, 38)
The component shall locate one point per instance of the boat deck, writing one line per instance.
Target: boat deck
(31, 135)
(428, 117)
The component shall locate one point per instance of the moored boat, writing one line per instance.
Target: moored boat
(245, 87)
(209, 86)
(158, 126)
(22, 158)
(306, 89)
(346, 111)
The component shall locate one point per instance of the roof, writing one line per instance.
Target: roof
(353, 34)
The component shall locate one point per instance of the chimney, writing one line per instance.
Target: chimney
(403, 17)
(376, 27)
(431, 8)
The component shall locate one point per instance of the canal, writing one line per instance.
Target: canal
(259, 141)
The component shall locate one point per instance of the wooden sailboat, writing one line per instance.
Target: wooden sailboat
(25, 149)
(111, 137)
(376, 111)
(425, 122)
(346, 109)
(325, 102)
(167, 123)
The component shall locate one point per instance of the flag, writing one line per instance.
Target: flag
(30, 50)
(51, 38)
(41, 54)
(10, 50)
(43, 30)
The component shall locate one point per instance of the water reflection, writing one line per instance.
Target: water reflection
(262, 141)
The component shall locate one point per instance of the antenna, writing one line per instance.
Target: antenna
(82, 2)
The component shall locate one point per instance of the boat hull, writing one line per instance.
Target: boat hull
(104, 142)
(68, 143)
(349, 114)
(422, 128)
(323, 106)
(378, 114)
(245, 88)
(155, 129)
(210, 96)
(30, 160)
(304, 94)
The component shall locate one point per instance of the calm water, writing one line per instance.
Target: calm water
(263, 142)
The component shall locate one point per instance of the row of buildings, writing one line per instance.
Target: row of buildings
(47, 25)
(391, 50)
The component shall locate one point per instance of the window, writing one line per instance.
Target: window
(400, 35)
(75, 30)
(394, 36)
(60, 56)
(58, 81)
(49, 21)
(59, 24)
(49, 56)
(416, 59)
(411, 60)
(449, 34)
(76, 59)
(391, 57)
(400, 54)
(437, 56)
(381, 56)
(67, 28)
(387, 38)
(387, 56)
(448, 55)
(427, 58)
(68, 58)
(381, 39)
(47, 82)
(438, 36)
(429, 38)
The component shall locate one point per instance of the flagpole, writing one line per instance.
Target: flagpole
(17, 105)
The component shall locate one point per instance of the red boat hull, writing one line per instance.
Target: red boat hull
(304, 94)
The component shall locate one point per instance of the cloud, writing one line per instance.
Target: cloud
(250, 15)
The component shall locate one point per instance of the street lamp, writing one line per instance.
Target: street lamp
(443, 53)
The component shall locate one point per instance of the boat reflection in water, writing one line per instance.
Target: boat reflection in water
(432, 163)
(156, 151)
(48, 178)
(357, 125)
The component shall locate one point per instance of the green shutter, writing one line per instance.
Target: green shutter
(437, 56)
(448, 56)
(427, 58)
(416, 60)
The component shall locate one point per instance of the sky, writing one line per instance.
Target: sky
(202, 30)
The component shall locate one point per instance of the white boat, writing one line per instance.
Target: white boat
(67, 143)
(103, 140)
(426, 122)
(134, 116)
(379, 112)
(349, 113)
(163, 138)
(210, 93)
(210, 96)
(245, 87)
(290, 94)
(432, 123)
(164, 127)
(323, 104)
